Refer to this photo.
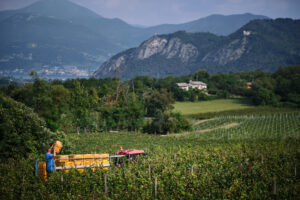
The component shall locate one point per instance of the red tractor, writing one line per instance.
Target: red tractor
(128, 153)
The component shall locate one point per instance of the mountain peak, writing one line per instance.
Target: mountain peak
(61, 9)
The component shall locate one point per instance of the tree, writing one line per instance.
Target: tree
(23, 133)
(60, 97)
(263, 96)
(201, 75)
(180, 94)
(134, 113)
(41, 96)
(167, 122)
(50, 101)
(195, 95)
(79, 106)
(158, 101)
(225, 82)
(23, 94)
(288, 84)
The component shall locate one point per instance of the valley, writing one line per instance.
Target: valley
(93, 107)
(49, 36)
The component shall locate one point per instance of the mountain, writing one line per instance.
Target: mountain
(60, 9)
(115, 30)
(60, 38)
(6, 14)
(56, 37)
(32, 41)
(216, 24)
(264, 44)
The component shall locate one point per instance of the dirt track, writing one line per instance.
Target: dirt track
(219, 127)
(204, 120)
(206, 130)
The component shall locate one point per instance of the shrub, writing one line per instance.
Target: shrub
(23, 133)
(166, 122)
(263, 96)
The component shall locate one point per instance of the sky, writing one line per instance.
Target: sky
(154, 12)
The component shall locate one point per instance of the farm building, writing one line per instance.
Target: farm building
(192, 84)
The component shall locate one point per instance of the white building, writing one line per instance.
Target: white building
(192, 84)
(246, 33)
(184, 86)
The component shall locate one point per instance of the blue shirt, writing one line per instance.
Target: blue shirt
(50, 162)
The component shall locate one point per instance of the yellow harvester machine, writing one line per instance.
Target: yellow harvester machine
(78, 161)
(83, 161)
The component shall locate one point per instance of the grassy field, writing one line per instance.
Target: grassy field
(189, 108)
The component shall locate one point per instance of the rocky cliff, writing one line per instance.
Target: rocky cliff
(264, 44)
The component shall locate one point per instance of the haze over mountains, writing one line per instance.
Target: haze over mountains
(60, 38)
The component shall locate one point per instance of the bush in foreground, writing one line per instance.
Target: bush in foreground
(23, 133)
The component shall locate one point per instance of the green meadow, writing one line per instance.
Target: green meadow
(189, 108)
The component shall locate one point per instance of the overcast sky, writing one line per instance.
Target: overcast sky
(153, 12)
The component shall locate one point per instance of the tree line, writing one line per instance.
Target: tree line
(281, 88)
(91, 105)
(145, 103)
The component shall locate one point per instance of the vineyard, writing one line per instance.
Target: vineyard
(250, 127)
(225, 157)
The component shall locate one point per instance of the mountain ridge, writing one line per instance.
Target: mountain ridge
(28, 44)
(264, 44)
(215, 23)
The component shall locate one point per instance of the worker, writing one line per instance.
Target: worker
(50, 160)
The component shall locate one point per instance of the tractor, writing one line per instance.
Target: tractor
(129, 154)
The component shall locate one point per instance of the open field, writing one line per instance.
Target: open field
(228, 107)
(258, 158)
(189, 108)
